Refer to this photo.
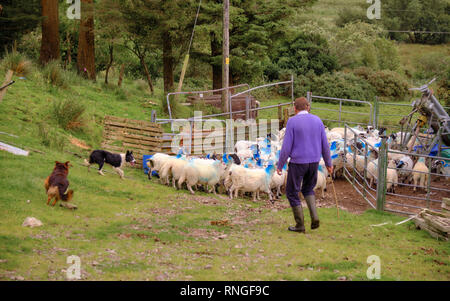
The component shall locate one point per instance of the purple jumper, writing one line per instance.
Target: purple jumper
(305, 142)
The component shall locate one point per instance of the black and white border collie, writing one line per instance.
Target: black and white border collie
(117, 161)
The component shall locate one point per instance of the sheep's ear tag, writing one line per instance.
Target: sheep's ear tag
(334, 156)
(333, 146)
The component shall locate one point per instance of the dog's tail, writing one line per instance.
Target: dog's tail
(68, 196)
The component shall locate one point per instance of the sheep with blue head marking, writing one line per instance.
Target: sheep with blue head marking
(205, 172)
(155, 163)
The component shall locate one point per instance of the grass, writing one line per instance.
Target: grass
(141, 230)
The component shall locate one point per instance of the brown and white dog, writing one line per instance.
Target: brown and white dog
(56, 184)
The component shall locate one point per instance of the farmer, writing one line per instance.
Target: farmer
(305, 142)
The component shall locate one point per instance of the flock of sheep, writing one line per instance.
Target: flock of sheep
(251, 169)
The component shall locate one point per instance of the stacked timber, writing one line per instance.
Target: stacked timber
(446, 205)
(435, 223)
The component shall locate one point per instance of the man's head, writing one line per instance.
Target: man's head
(301, 104)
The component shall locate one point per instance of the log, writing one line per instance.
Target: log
(421, 224)
(437, 222)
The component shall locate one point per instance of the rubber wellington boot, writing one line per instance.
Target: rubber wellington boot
(311, 201)
(298, 216)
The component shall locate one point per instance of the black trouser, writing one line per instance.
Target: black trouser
(301, 177)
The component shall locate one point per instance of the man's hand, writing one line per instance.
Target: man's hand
(279, 172)
(330, 169)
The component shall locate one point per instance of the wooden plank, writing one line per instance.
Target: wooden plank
(131, 134)
(132, 121)
(121, 126)
(133, 138)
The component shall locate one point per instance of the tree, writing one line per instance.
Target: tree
(17, 17)
(86, 41)
(417, 15)
(109, 28)
(50, 32)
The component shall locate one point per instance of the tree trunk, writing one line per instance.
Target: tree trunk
(68, 60)
(122, 70)
(111, 58)
(147, 74)
(50, 32)
(167, 64)
(86, 46)
(216, 51)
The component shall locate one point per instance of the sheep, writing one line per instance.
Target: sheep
(278, 181)
(372, 171)
(174, 167)
(405, 166)
(420, 172)
(391, 176)
(321, 181)
(252, 180)
(201, 171)
(155, 162)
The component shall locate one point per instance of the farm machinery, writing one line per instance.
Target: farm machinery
(430, 133)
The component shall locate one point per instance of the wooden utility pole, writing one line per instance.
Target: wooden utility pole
(226, 54)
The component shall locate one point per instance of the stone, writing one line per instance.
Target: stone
(32, 222)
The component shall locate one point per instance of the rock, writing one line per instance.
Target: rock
(28, 201)
(95, 263)
(208, 267)
(32, 222)
(18, 278)
(223, 236)
(342, 278)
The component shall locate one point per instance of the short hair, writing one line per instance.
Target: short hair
(301, 104)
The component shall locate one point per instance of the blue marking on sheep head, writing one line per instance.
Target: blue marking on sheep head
(208, 156)
(334, 156)
(400, 164)
(333, 145)
(349, 149)
(225, 158)
(246, 165)
(422, 159)
(378, 144)
(269, 169)
(259, 162)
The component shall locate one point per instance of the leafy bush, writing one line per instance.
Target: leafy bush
(68, 113)
(301, 54)
(387, 83)
(351, 14)
(339, 85)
